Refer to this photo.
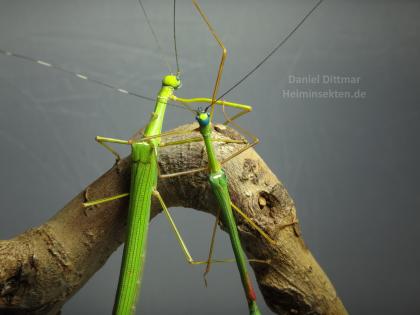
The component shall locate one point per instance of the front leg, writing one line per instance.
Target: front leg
(103, 141)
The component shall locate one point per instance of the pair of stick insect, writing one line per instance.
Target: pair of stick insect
(144, 175)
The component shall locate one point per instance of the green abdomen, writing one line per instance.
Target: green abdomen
(218, 182)
(143, 179)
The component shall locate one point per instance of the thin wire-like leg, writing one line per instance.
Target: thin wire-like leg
(181, 242)
(213, 237)
(178, 235)
(104, 200)
(229, 120)
(205, 168)
(187, 101)
(104, 140)
(195, 139)
(200, 139)
(257, 228)
(222, 60)
(217, 83)
(245, 109)
(162, 135)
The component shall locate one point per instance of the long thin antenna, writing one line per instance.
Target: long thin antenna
(84, 77)
(155, 37)
(75, 74)
(176, 49)
(272, 52)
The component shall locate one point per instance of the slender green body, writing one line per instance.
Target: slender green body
(143, 179)
(143, 182)
(219, 185)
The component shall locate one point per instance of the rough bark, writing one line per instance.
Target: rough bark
(43, 267)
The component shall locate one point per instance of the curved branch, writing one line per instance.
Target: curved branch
(43, 267)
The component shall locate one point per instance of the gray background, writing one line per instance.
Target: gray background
(351, 165)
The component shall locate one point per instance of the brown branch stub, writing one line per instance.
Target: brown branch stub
(44, 266)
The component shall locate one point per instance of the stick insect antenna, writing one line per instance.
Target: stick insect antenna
(86, 78)
(175, 47)
(162, 55)
(272, 52)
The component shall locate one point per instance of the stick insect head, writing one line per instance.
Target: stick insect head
(203, 118)
(172, 81)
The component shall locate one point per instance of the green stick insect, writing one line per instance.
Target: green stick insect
(144, 176)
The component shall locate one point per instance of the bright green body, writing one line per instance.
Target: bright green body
(219, 185)
(143, 183)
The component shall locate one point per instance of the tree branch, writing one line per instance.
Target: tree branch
(43, 267)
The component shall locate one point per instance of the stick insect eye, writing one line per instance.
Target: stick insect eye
(172, 80)
(203, 118)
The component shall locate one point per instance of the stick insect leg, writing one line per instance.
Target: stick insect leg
(229, 120)
(181, 242)
(244, 109)
(250, 222)
(204, 168)
(103, 141)
(236, 208)
(247, 219)
(190, 140)
(200, 139)
(213, 237)
(222, 59)
(104, 200)
(162, 135)
(256, 227)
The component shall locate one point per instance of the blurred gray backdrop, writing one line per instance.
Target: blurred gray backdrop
(351, 164)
